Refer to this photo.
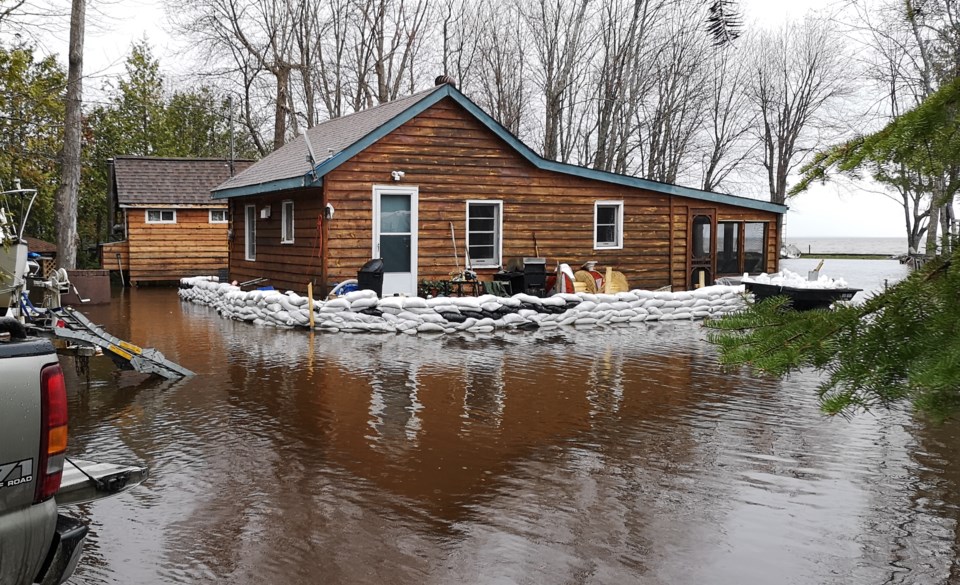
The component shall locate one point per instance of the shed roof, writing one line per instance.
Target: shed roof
(336, 141)
(143, 180)
(40, 246)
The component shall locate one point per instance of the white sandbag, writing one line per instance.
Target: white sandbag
(363, 303)
(513, 319)
(619, 305)
(603, 307)
(467, 324)
(627, 297)
(357, 295)
(671, 304)
(430, 328)
(585, 307)
(509, 301)
(568, 297)
(432, 318)
(340, 303)
(469, 303)
(530, 299)
(527, 313)
(391, 302)
(414, 302)
(408, 316)
(491, 306)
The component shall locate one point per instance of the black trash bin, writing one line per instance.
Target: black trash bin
(370, 276)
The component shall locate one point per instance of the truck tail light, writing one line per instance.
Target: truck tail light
(53, 432)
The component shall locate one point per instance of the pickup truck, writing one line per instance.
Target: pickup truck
(37, 543)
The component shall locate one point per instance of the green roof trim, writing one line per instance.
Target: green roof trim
(269, 187)
(447, 90)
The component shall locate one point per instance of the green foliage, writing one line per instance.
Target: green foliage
(903, 343)
(140, 119)
(31, 127)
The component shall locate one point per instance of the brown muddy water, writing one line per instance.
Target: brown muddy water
(602, 456)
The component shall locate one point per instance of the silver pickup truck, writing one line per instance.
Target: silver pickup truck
(37, 543)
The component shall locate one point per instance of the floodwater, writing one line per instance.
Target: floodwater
(580, 457)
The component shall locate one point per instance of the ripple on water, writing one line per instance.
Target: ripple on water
(589, 456)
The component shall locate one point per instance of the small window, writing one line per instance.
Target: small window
(754, 244)
(728, 247)
(250, 232)
(161, 216)
(286, 229)
(608, 225)
(484, 219)
(218, 216)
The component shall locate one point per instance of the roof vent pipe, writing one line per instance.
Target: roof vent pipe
(444, 79)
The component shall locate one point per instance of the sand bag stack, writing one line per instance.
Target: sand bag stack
(363, 311)
(794, 280)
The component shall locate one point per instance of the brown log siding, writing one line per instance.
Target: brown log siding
(169, 251)
(451, 157)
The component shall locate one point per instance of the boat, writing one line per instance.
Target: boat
(790, 252)
(801, 299)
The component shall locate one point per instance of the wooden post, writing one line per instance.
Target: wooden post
(310, 302)
(608, 280)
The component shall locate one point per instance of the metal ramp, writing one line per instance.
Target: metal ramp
(146, 360)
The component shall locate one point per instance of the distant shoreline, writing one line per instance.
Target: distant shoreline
(835, 256)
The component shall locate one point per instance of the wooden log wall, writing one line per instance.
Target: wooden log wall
(451, 158)
(285, 266)
(169, 251)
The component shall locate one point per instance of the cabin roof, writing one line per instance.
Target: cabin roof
(336, 141)
(145, 180)
(40, 246)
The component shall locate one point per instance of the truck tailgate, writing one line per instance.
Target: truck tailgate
(85, 481)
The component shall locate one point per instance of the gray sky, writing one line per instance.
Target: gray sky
(834, 210)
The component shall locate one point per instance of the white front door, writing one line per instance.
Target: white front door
(395, 237)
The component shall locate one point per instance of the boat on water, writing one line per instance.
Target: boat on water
(790, 252)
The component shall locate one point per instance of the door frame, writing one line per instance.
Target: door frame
(414, 192)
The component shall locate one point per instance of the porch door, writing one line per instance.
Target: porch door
(395, 237)
(702, 250)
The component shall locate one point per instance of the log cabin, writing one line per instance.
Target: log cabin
(432, 184)
(167, 224)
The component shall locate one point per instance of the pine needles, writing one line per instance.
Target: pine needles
(901, 344)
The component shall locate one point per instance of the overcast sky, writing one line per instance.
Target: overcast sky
(834, 210)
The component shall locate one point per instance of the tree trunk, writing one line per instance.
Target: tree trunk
(67, 194)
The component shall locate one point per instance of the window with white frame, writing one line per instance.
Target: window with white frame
(250, 232)
(607, 225)
(286, 223)
(218, 216)
(161, 216)
(484, 238)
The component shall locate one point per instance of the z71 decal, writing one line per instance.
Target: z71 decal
(16, 473)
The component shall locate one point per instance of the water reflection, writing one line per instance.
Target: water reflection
(612, 456)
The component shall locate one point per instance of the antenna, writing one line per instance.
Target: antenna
(311, 158)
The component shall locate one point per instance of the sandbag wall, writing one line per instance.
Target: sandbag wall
(362, 311)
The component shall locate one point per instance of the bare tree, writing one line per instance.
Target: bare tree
(498, 79)
(621, 80)
(562, 46)
(799, 70)
(672, 113)
(67, 195)
(728, 117)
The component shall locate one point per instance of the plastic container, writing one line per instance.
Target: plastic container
(370, 276)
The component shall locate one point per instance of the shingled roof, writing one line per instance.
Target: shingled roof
(337, 141)
(141, 181)
(291, 162)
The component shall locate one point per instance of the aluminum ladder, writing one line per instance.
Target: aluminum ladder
(78, 328)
